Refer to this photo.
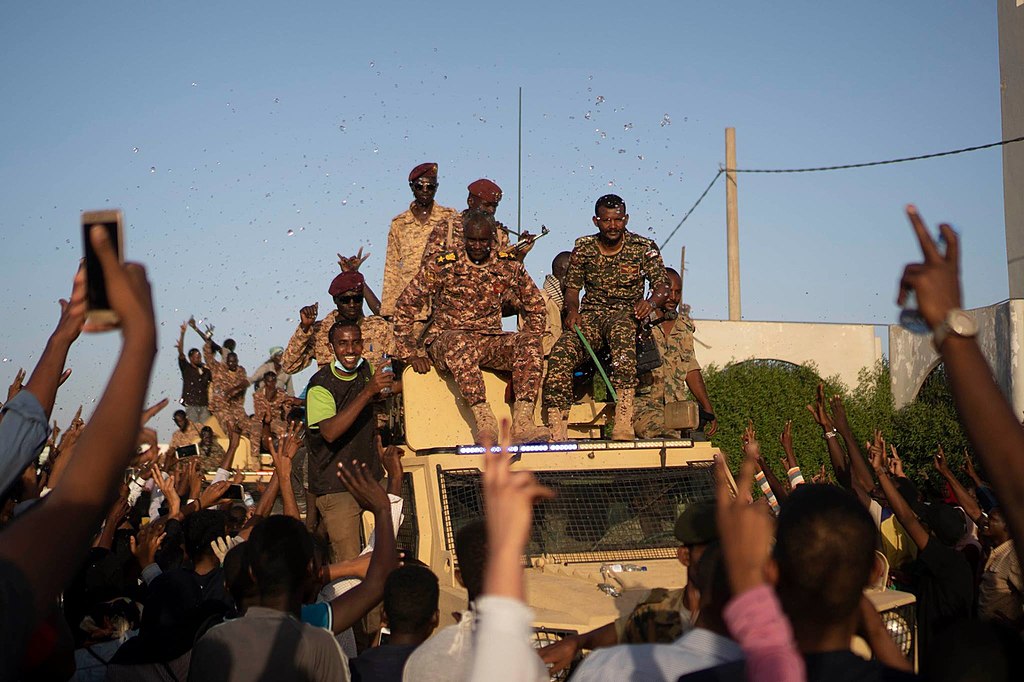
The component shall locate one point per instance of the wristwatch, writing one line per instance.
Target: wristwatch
(957, 322)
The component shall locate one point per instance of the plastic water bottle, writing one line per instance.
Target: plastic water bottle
(388, 369)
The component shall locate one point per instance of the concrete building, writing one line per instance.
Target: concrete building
(836, 349)
(1001, 326)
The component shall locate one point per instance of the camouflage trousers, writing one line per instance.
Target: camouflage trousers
(464, 353)
(617, 328)
(255, 432)
(231, 416)
(649, 418)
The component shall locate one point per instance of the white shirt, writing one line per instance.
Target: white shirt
(333, 590)
(503, 649)
(696, 650)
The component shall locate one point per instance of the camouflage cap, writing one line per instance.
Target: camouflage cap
(697, 524)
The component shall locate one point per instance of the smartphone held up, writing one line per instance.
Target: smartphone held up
(99, 315)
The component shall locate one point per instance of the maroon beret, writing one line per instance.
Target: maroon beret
(485, 189)
(346, 281)
(423, 169)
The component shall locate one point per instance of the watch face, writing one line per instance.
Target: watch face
(962, 323)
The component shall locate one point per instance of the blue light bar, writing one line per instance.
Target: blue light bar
(519, 449)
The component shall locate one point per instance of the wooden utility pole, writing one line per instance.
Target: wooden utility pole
(732, 224)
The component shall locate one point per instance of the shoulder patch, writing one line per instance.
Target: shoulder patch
(506, 255)
(445, 258)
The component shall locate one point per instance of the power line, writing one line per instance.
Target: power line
(696, 203)
(875, 163)
(951, 152)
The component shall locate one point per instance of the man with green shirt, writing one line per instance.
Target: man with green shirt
(342, 427)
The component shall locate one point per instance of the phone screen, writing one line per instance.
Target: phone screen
(234, 492)
(96, 287)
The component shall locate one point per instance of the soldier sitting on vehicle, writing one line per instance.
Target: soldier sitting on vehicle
(466, 288)
(679, 371)
(612, 267)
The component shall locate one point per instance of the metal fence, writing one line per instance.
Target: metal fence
(598, 514)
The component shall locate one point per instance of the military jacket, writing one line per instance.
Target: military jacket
(614, 282)
(407, 240)
(668, 382)
(448, 236)
(467, 297)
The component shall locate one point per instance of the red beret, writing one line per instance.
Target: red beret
(423, 169)
(346, 281)
(485, 189)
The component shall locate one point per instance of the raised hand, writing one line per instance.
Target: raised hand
(366, 491)
(283, 453)
(876, 450)
(839, 414)
(895, 463)
(16, 385)
(73, 309)
(145, 547)
(147, 437)
(391, 458)
(819, 411)
(936, 281)
(166, 486)
(128, 291)
(352, 263)
(213, 493)
(970, 470)
(118, 511)
(509, 497)
(745, 528)
(751, 448)
(786, 439)
(939, 462)
(221, 546)
(308, 314)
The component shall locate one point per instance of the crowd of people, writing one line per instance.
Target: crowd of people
(124, 559)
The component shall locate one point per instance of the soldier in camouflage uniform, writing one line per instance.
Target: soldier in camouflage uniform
(408, 235)
(310, 341)
(227, 390)
(466, 288)
(612, 267)
(678, 375)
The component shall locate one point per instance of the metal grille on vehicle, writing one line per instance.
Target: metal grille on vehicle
(544, 636)
(598, 515)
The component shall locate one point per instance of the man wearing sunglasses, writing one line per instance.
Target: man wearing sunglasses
(310, 342)
(408, 236)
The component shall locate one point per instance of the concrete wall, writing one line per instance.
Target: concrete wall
(1000, 334)
(837, 349)
(1011, 75)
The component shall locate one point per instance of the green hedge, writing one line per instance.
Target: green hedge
(770, 392)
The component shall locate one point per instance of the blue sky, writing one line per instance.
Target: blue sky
(248, 143)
